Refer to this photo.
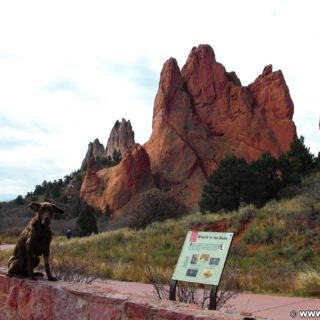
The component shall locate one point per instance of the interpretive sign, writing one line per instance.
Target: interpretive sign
(203, 257)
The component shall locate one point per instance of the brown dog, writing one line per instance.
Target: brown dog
(33, 242)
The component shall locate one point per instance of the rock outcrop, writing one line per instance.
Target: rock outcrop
(121, 138)
(115, 186)
(95, 152)
(203, 114)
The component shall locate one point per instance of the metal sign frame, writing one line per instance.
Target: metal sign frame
(214, 288)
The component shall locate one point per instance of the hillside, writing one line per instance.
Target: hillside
(275, 250)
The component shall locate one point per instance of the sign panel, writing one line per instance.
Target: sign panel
(203, 257)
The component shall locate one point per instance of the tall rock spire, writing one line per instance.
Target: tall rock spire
(121, 138)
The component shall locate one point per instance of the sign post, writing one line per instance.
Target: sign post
(202, 260)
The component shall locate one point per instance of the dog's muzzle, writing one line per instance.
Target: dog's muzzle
(46, 218)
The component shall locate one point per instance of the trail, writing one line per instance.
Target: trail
(4, 246)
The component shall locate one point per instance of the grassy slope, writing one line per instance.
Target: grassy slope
(276, 247)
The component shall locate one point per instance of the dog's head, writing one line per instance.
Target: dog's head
(45, 211)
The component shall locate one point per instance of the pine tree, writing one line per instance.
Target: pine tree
(116, 156)
(269, 178)
(300, 157)
(19, 200)
(87, 221)
(228, 186)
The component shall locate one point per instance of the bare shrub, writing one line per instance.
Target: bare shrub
(68, 269)
(188, 292)
(153, 205)
(156, 277)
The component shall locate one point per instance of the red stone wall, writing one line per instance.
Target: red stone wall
(43, 300)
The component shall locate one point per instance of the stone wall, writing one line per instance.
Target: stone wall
(43, 300)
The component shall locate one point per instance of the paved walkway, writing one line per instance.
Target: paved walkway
(272, 307)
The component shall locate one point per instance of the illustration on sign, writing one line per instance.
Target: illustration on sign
(203, 257)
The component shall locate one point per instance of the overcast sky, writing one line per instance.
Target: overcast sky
(70, 69)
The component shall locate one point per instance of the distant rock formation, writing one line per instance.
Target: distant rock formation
(115, 186)
(95, 151)
(201, 115)
(121, 138)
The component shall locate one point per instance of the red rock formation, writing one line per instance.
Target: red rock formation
(121, 138)
(173, 158)
(203, 114)
(115, 186)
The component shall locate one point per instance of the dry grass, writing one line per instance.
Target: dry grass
(308, 283)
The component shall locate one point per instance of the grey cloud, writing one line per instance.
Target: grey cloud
(26, 126)
(61, 85)
(66, 85)
(29, 175)
(137, 72)
(10, 143)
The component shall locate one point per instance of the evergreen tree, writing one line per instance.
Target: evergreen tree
(269, 179)
(116, 156)
(19, 200)
(300, 157)
(288, 175)
(228, 186)
(235, 181)
(38, 190)
(87, 221)
(55, 190)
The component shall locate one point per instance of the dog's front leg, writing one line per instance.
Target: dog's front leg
(30, 250)
(46, 255)
(48, 270)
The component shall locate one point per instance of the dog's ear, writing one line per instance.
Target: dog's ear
(57, 209)
(35, 206)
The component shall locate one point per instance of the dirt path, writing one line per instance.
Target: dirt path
(4, 246)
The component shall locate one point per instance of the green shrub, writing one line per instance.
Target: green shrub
(262, 235)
